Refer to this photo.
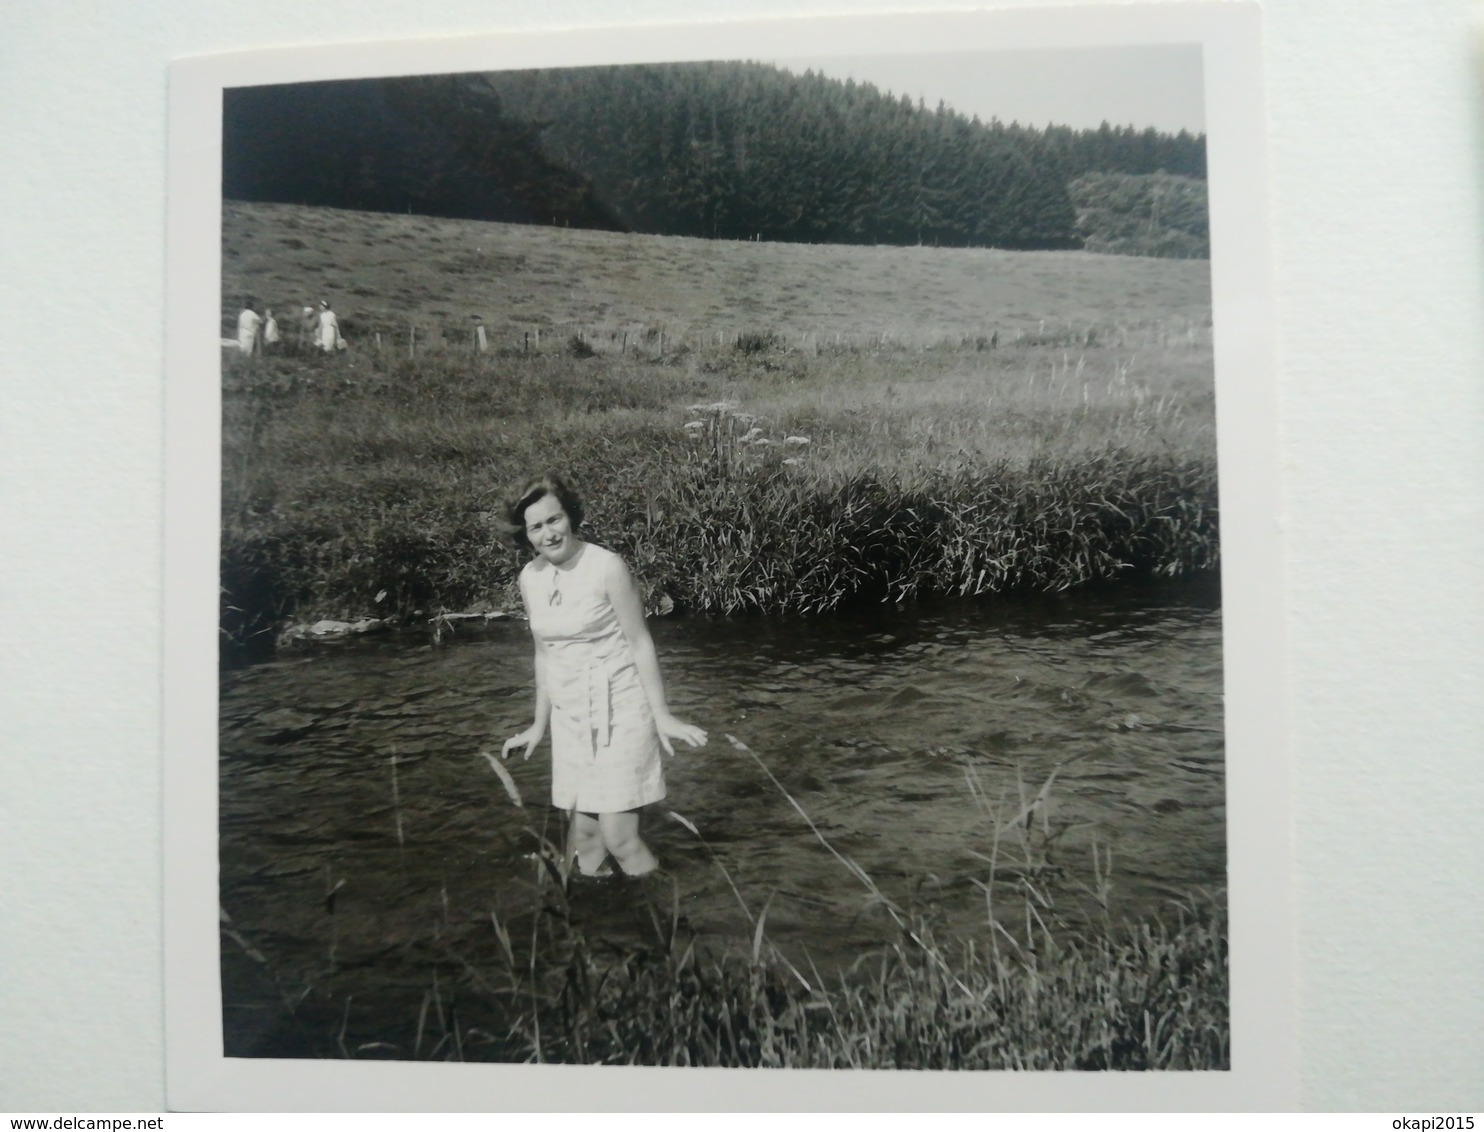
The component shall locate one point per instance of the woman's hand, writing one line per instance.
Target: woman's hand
(671, 728)
(527, 739)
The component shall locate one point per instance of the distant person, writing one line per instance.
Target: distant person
(598, 684)
(329, 339)
(249, 327)
(308, 328)
(270, 329)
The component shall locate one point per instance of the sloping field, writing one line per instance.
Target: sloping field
(387, 272)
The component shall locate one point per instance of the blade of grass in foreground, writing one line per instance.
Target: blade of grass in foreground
(690, 825)
(859, 873)
(505, 780)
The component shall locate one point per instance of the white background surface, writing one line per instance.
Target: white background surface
(1375, 149)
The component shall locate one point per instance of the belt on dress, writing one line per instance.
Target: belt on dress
(599, 690)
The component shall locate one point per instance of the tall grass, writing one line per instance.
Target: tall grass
(814, 480)
(1150, 998)
(1038, 987)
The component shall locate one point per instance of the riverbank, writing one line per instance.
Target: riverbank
(1147, 996)
(1151, 996)
(750, 476)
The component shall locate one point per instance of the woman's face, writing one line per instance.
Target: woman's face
(550, 531)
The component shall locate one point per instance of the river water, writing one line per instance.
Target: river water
(365, 840)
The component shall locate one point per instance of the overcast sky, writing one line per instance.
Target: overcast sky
(1159, 86)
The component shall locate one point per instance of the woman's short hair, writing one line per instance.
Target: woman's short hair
(538, 487)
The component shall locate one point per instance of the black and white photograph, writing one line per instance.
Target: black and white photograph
(663, 560)
(721, 565)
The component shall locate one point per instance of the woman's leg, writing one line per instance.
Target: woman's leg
(621, 836)
(587, 843)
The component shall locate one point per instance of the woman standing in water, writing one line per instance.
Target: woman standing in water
(598, 681)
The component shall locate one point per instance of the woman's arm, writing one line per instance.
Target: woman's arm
(624, 596)
(533, 734)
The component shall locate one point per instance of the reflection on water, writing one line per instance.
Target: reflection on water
(364, 841)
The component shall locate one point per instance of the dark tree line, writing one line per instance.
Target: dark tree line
(739, 150)
(725, 150)
(436, 146)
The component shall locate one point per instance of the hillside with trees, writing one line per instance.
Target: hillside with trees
(739, 151)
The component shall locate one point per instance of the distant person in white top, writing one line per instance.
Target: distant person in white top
(329, 329)
(270, 330)
(248, 326)
(308, 328)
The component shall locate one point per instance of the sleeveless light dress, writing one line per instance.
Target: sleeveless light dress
(605, 751)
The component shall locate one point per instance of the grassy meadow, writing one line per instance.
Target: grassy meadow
(758, 427)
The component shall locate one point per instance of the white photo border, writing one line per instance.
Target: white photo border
(1263, 1073)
